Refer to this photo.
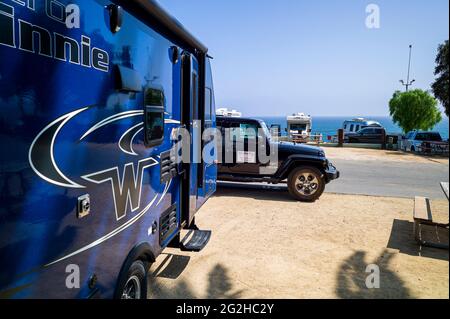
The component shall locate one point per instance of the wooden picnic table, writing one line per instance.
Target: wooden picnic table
(423, 216)
(444, 187)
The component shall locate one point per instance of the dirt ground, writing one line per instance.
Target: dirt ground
(381, 155)
(266, 245)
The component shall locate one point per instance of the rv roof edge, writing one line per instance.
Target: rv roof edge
(149, 11)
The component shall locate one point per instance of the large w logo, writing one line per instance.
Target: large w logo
(126, 190)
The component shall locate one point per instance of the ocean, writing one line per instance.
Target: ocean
(328, 125)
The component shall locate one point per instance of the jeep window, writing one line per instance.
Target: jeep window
(357, 128)
(351, 128)
(247, 131)
(241, 131)
(153, 117)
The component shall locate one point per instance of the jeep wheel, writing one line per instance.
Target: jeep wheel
(306, 184)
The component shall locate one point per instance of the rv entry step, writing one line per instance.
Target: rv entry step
(194, 240)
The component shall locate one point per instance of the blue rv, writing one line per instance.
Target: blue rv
(92, 95)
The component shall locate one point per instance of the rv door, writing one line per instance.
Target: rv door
(190, 117)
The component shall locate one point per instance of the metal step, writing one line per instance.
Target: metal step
(195, 240)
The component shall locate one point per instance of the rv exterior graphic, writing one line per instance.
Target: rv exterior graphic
(91, 193)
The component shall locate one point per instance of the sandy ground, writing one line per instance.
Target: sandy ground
(265, 245)
(381, 155)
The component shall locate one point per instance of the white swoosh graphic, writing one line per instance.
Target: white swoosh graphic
(113, 118)
(65, 118)
(132, 139)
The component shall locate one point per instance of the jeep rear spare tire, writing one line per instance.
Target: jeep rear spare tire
(306, 183)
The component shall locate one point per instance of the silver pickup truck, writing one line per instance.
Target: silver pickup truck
(424, 142)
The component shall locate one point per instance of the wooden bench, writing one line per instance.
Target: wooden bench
(423, 216)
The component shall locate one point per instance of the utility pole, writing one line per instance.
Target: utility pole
(408, 83)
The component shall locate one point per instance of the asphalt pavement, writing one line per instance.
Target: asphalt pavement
(378, 178)
(397, 179)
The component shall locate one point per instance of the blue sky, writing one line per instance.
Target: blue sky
(318, 57)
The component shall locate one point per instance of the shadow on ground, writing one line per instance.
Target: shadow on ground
(219, 284)
(402, 239)
(255, 191)
(352, 275)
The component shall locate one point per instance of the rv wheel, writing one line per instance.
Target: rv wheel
(134, 284)
(306, 184)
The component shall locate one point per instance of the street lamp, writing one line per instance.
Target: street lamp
(408, 83)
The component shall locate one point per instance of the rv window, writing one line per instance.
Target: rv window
(194, 96)
(208, 107)
(153, 117)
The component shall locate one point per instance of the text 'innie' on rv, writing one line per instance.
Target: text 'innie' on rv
(35, 39)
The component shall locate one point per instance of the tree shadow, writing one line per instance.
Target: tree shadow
(219, 285)
(402, 239)
(352, 275)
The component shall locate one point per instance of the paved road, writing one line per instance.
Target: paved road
(390, 178)
(377, 178)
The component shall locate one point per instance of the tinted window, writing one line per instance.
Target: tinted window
(242, 131)
(153, 117)
(247, 131)
(364, 131)
(195, 96)
(208, 104)
(428, 137)
(298, 127)
(351, 128)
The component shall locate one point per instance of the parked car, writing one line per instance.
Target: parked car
(305, 168)
(424, 142)
(369, 135)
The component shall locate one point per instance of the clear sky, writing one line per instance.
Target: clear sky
(314, 56)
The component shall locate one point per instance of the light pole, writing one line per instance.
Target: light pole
(408, 83)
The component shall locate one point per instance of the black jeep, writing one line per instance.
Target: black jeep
(246, 146)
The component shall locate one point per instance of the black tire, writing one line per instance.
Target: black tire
(133, 283)
(297, 188)
(413, 149)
